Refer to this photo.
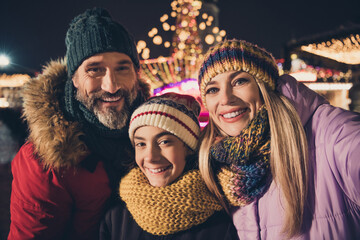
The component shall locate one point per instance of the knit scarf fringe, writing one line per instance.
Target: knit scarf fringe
(244, 173)
(170, 209)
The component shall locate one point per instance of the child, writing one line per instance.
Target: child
(165, 194)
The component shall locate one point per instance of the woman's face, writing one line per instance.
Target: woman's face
(232, 99)
(159, 154)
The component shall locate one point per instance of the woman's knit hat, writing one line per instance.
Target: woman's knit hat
(238, 55)
(94, 32)
(175, 113)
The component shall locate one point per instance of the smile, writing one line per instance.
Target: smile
(110, 99)
(159, 170)
(233, 114)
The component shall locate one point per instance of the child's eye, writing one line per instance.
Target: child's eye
(139, 144)
(211, 91)
(164, 142)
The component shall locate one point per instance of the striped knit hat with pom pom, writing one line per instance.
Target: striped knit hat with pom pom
(175, 113)
(238, 55)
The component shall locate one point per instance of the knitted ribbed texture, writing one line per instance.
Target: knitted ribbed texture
(238, 55)
(172, 112)
(94, 32)
(170, 209)
(246, 173)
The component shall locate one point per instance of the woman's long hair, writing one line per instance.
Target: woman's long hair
(288, 157)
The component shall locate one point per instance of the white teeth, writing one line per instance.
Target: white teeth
(110, 99)
(157, 170)
(233, 114)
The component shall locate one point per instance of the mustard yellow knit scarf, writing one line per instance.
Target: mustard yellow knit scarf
(167, 210)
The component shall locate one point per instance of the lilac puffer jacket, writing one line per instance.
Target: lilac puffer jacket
(334, 179)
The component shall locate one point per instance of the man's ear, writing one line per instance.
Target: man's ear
(75, 79)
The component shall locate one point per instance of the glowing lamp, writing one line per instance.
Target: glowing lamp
(4, 60)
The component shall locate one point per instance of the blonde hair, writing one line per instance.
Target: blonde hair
(288, 158)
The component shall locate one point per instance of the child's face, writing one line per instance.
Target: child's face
(159, 154)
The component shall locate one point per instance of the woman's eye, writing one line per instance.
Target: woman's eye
(239, 81)
(211, 91)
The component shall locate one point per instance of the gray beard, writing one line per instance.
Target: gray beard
(109, 117)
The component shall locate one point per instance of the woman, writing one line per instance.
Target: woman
(165, 196)
(285, 176)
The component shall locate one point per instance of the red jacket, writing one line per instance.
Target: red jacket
(55, 204)
(53, 197)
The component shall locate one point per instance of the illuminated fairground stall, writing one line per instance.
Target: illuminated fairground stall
(194, 29)
(328, 63)
(12, 78)
(10, 89)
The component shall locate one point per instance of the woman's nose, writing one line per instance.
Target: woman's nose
(226, 96)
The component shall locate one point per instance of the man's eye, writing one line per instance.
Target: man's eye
(93, 70)
(211, 91)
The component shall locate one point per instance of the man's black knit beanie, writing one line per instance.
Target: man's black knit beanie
(94, 32)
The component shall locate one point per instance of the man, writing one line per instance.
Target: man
(78, 146)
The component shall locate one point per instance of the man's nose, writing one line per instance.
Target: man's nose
(109, 82)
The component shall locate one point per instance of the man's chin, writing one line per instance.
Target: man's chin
(106, 107)
(112, 118)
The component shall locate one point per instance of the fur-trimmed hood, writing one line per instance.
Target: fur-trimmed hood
(55, 139)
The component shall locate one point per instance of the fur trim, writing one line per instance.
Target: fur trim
(56, 140)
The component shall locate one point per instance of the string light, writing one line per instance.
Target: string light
(346, 50)
(222, 33)
(329, 86)
(166, 26)
(186, 49)
(209, 39)
(157, 40)
(167, 44)
(215, 30)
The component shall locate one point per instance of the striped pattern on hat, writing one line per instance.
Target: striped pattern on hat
(238, 55)
(175, 113)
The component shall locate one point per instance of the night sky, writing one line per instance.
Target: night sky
(33, 32)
